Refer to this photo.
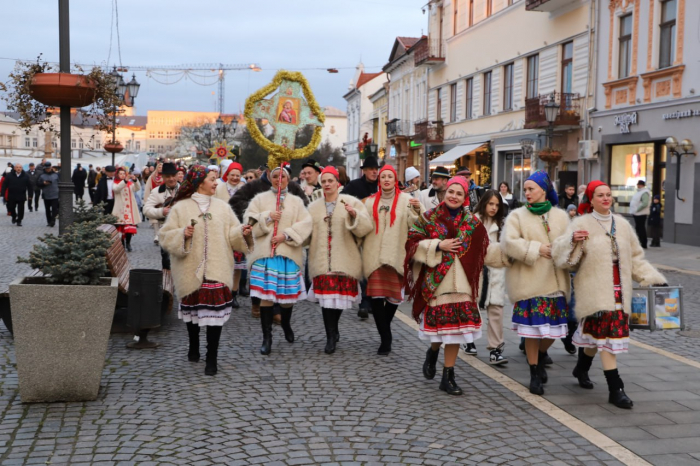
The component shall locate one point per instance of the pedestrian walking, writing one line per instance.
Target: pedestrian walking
(48, 181)
(491, 211)
(569, 197)
(606, 255)
(160, 202)
(539, 290)
(340, 222)
(154, 181)
(445, 253)
(35, 194)
(79, 177)
(125, 207)
(384, 252)
(200, 235)
(412, 177)
(640, 206)
(655, 225)
(16, 187)
(281, 226)
(92, 183)
(509, 199)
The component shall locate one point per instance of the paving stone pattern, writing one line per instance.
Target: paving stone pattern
(297, 406)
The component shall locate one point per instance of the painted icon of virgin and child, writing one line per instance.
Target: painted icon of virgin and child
(288, 114)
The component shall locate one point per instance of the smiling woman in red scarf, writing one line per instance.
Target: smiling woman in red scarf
(445, 253)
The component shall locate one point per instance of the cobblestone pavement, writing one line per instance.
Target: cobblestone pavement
(297, 406)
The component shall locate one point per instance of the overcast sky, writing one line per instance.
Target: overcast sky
(277, 34)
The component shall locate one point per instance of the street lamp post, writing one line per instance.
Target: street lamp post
(127, 93)
(65, 186)
(549, 155)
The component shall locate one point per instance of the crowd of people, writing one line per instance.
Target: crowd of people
(454, 249)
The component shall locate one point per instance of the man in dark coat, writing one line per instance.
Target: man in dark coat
(48, 181)
(367, 184)
(92, 183)
(78, 178)
(34, 174)
(15, 189)
(104, 192)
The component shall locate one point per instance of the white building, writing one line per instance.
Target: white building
(335, 129)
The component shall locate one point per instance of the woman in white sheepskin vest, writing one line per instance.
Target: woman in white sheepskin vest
(384, 251)
(491, 210)
(125, 207)
(335, 261)
(540, 292)
(604, 251)
(276, 264)
(200, 234)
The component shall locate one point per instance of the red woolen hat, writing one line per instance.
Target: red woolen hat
(585, 207)
(332, 170)
(462, 181)
(232, 166)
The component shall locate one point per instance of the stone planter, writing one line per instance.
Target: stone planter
(61, 334)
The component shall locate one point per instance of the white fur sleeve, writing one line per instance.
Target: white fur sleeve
(517, 247)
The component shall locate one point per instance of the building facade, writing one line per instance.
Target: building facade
(335, 129)
(647, 77)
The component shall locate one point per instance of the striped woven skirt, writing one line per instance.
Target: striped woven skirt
(240, 262)
(210, 305)
(335, 291)
(277, 279)
(385, 282)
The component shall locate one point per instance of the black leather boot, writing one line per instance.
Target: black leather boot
(581, 370)
(328, 319)
(234, 300)
(266, 325)
(336, 321)
(618, 397)
(193, 333)
(128, 242)
(448, 383)
(287, 324)
(541, 361)
(379, 321)
(535, 381)
(567, 340)
(429, 369)
(213, 336)
(387, 316)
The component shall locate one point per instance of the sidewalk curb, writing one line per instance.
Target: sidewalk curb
(597, 438)
(676, 269)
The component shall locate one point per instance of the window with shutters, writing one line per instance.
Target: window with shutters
(508, 87)
(438, 104)
(471, 12)
(667, 45)
(487, 93)
(533, 76)
(27, 142)
(453, 102)
(567, 67)
(469, 107)
(624, 63)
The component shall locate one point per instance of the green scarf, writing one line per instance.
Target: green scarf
(540, 208)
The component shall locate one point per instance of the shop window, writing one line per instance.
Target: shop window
(469, 107)
(625, 47)
(630, 163)
(533, 76)
(667, 46)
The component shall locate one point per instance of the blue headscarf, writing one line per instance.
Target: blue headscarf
(542, 179)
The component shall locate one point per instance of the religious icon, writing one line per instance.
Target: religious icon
(287, 110)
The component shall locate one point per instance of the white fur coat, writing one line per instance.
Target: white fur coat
(496, 291)
(295, 223)
(531, 274)
(593, 262)
(222, 236)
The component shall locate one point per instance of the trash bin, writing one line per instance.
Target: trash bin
(657, 308)
(144, 311)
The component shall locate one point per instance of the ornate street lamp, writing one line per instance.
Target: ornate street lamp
(549, 155)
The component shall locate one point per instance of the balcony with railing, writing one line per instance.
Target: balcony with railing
(396, 128)
(430, 132)
(547, 5)
(569, 110)
(429, 52)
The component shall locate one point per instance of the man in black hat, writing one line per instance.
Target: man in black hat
(433, 196)
(157, 206)
(15, 189)
(311, 172)
(104, 192)
(367, 184)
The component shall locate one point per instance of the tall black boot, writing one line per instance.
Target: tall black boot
(243, 286)
(193, 332)
(266, 324)
(336, 320)
(389, 312)
(234, 300)
(213, 336)
(618, 397)
(541, 361)
(429, 369)
(287, 323)
(535, 381)
(328, 320)
(128, 241)
(380, 322)
(583, 365)
(448, 383)
(569, 346)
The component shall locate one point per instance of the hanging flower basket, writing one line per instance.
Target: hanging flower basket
(63, 89)
(550, 156)
(113, 147)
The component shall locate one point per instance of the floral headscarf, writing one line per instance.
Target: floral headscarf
(191, 182)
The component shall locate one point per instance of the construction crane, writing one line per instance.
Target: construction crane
(219, 68)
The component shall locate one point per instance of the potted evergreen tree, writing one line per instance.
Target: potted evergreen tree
(62, 319)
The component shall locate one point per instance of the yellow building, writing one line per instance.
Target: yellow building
(163, 129)
(380, 110)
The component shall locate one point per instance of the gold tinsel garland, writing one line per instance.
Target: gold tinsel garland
(277, 153)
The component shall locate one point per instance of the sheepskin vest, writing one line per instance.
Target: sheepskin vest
(593, 262)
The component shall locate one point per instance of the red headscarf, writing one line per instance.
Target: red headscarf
(232, 166)
(378, 195)
(585, 207)
(462, 181)
(332, 170)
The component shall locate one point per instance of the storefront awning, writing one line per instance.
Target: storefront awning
(448, 158)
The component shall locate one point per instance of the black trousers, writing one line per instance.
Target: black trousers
(17, 210)
(109, 205)
(640, 226)
(92, 192)
(164, 259)
(51, 206)
(37, 196)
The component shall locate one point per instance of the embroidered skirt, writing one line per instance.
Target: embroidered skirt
(451, 324)
(541, 317)
(606, 330)
(335, 291)
(210, 305)
(239, 260)
(386, 283)
(277, 279)
(126, 229)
